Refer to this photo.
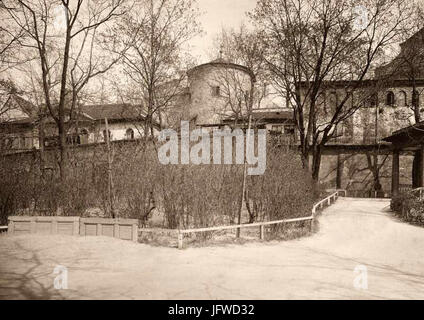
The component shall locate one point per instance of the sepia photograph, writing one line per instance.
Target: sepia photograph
(211, 154)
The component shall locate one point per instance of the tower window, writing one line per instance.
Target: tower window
(216, 91)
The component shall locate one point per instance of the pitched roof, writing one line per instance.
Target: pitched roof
(409, 63)
(265, 115)
(25, 105)
(114, 111)
(223, 63)
(406, 132)
(17, 110)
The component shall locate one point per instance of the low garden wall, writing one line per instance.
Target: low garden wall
(125, 229)
(45, 225)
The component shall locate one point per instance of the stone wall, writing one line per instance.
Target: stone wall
(208, 103)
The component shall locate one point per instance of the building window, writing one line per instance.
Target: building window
(104, 135)
(73, 139)
(129, 134)
(15, 143)
(27, 143)
(22, 144)
(403, 99)
(84, 136)
(216, 91)
(332, 103)
(373, 100)
(277, 128)
(7, 143)
(390, 99)
(347, 128)
(289, 130)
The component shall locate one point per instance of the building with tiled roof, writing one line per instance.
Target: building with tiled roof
(22, 128)
(213, 93)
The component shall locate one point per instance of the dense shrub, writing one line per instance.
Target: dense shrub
(135, 179)
(286, 190)
(397, 202)
(415, 212)
(17, 185)
(408, 207)
(185, 195)
(200, 196)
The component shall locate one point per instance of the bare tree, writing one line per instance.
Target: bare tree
(156, 32)
(67, 38)
(7, 88)
(243, 47)
(311, 43)
(239, 92)
(10, 39)
(409, 63)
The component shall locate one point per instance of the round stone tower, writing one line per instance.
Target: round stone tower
(216, 89)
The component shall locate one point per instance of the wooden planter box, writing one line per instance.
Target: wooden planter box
(44, 225)
(126, 229)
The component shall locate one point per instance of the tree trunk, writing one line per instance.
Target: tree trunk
(305, 159)
(63, 157)
(63, 161)
(339, 174)
(415, 103)
(41, 136)
(244, 188)
(148, 128)
(415, 165)
(316, 162)
(376, 173)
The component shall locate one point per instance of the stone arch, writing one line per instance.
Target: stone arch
(390, 98)
(129, 134)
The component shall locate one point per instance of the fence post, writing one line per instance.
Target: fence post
(11, 226)
(180, 240)
(262, 232)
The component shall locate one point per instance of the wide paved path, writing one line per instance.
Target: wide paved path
(353, 234)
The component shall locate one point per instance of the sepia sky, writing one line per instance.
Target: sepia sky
(218, 14)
